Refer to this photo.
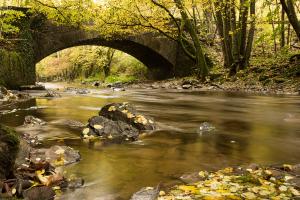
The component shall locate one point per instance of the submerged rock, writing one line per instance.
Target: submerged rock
(51, 93)
(55, 155)
(118, 89)
(205, 127)
(147, 193)
(82, 91)
(9, 146)
(32, 121)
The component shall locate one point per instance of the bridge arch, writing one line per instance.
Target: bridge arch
(156, 53)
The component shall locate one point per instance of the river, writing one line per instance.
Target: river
(249, 129)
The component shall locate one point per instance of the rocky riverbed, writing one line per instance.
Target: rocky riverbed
(138, 141)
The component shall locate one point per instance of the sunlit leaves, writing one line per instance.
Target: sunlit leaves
(7, 20)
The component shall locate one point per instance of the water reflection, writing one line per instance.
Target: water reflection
(261, 129)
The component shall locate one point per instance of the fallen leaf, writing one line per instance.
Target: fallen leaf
(130, 115)
(86, 131)
(97, 126)
(112, 108)
(60, 151)
(282, 188)
(249, 195)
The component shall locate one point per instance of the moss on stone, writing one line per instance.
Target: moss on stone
(17, 58)
(9, 147)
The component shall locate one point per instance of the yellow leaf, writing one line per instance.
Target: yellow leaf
(189, 189)
(202, 174)
(112, 108)
(294, 191)
(60, 151)
(130, 115)
(288, 167)
(283, 188)
(98, 127)
(249, 195)
(13, 191)
(85, 131)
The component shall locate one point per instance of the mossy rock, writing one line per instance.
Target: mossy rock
(9, 146)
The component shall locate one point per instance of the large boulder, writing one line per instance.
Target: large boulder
(118, 122)
(127, 113)
(9, 146)
(107, 128)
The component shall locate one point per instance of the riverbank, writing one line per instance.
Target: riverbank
(234, 85)
(249, 182)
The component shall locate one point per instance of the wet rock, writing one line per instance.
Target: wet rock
(155, 86)
(191, 178)
(96, 83)
(39, 193)
(9, 146)
(32, 87)
(205, 127)
(82, 91)
(56, 155)
(24, 152)
(107, 128)
(70, 123)
(51, 94)
(117, 84)
(190, 82)
(295, 182)
(147, 193)
(33, 121)
(127, 113)
(186, 86)
(118, 89)
(252, 166)
(3, 91)
(75, 183)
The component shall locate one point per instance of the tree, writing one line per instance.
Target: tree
(173, 19)
(289, 8)
(236, 37)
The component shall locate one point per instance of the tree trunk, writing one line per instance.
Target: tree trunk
(250, 35)
(282, 30)
(288, 7)
(200, 59)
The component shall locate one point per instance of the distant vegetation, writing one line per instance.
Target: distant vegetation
(91, 63)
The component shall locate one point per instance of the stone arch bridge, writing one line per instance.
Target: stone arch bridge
(163, 57)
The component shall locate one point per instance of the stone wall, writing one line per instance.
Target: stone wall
(17, 66)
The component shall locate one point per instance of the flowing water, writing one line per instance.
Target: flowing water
(249, 129)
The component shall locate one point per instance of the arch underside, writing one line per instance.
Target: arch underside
(158, 66)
